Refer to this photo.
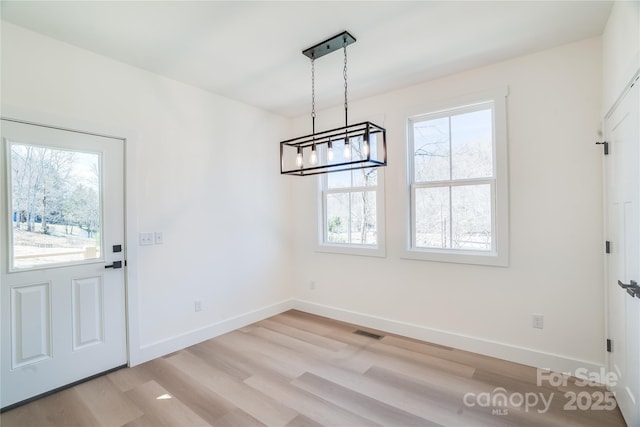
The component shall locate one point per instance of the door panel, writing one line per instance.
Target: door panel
(63, 312)
(30, 324)
(88, 319)
(623, 230)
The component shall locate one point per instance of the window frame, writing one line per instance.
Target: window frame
(499, 254)
(322, 243)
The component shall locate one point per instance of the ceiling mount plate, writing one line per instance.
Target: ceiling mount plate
(334, 43)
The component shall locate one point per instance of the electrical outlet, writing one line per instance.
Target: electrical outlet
(197, 305)
(146, 239)
(158, 237)
(537, 321)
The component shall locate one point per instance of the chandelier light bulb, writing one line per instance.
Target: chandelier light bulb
(330, 151)
(314, 156)
(347, 149)
(299, 157)
(365, 148)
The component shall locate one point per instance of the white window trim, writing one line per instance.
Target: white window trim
(499, 256)
(378, 250)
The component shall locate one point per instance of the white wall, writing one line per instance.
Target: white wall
(196, 152)
(556, 240)
(202, 169)
(621, 49)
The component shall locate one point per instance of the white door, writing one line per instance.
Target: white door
(62, 296)
(623, 266)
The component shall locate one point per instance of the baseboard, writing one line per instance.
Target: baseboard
(169, 345)
(525, 356)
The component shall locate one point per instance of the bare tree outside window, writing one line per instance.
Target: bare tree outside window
(350, 200)
(55, 205)
(453, 178)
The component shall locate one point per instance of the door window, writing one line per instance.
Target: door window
(55, 206)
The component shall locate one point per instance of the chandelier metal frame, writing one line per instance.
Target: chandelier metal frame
(364, 144)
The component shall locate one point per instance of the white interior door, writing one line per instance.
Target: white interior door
(623, 267)
(62, 295)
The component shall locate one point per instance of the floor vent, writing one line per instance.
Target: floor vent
(367, 334)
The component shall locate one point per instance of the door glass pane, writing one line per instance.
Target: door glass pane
(55, 206)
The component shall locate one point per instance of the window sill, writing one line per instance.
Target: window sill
(492, 259)
(345, 249)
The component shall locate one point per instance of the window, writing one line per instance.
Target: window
(457, 184)
(351, 210)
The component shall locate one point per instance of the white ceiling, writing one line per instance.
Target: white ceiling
(251, 51)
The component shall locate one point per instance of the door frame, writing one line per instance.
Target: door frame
(128, 136)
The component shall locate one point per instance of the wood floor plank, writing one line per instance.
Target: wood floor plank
(302, 421)
(383, 350)
(446, 398)
(358, 403)
(317, 340)
(262, 407)
(266, 355)
(486, 363)
(295, 319)
(295, 344)
(237, 418)
(196, 396)
(107, 404)
(307, 404)
(236, 363)
(420, 406)
(161, 408)
(128, 378)
(52, 410)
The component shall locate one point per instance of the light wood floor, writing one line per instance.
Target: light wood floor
(296, 369)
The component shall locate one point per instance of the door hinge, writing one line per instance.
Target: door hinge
(609, 345)
(607, 247)
(606, 146)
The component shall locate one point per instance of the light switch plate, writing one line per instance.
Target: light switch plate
(146, 239)
(159, 238)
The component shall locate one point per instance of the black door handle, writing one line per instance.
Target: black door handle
(116, 264)
(632, 288)
(632, 284)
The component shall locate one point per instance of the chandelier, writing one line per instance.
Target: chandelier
(356, 146)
